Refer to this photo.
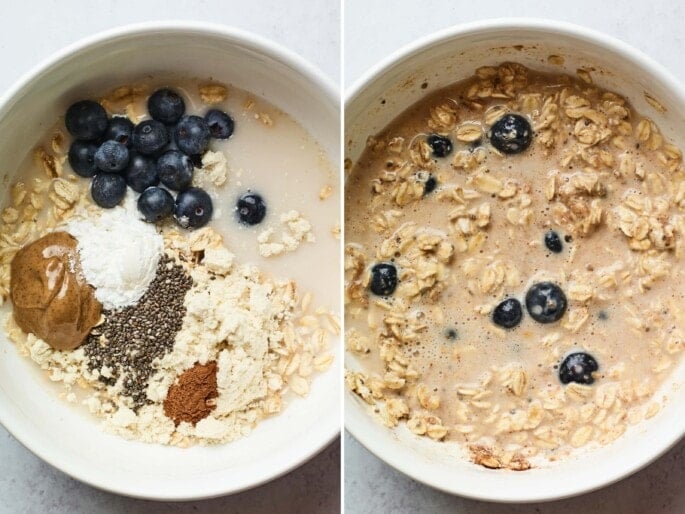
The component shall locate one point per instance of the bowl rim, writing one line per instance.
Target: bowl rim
(329, 429)
(381, 447)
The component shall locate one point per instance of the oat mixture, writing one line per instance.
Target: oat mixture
(213, 345)
(513, 276)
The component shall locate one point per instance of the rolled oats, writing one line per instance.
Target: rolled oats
(213, 93)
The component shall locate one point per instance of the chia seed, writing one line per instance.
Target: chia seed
(137, 335)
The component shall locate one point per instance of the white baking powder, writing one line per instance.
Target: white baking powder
(119, 253)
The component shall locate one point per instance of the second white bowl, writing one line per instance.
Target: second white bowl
(454, 55)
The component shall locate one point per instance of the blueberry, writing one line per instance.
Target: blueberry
(175, 170)
(120, 129)
(578, 367)
(220, 124)
(508, 313)
(149, 137)
(193, 208)
(430, 185)
(155, 204)
(511, 134)
(251, 209)
(192, 135)
(553, 242)
(441, 145)
(86, 120)
(141, 172)
(383, 279)
(451, 334)
(107, 189)
(546, 302)
(166, 106)
(111, 157)
(82, 157)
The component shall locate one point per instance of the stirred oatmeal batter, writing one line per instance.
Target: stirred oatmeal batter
(513, 266)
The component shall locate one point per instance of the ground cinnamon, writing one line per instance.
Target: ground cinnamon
(189, 399)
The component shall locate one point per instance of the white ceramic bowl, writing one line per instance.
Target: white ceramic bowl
(29, 408)
(450, 56)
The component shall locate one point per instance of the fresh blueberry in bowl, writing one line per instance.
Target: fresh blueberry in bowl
(508, 313)
(578, 367)
(166, 105)
(441, 145)
(141, 172)
(511, 134)
(220, 124)
(86, 120)
(192, 135)
(175, 170)
(430, 185)
(251, 209)
(383, 279)
(120, 129)
(553, 242)
(155, 204)
(108, 189)
(149, 137)
(111, 157)
(193, 208)
(82, 158)
(546, 302)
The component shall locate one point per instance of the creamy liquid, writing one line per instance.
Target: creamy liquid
(288, 168)
(460, 347)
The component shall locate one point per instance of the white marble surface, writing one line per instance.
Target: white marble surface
(30, 30)
(374, 29)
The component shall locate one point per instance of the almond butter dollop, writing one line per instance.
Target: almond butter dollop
(50, 297)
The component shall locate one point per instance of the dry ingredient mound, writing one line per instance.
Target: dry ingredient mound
(119, 253)
(238, 318)
(125, 345)
(212, 348)
(190, 399)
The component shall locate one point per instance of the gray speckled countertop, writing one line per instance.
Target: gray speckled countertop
(372, 31)
(30, 486)
(30, 30)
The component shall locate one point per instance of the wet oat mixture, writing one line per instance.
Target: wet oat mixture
(513, 266)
